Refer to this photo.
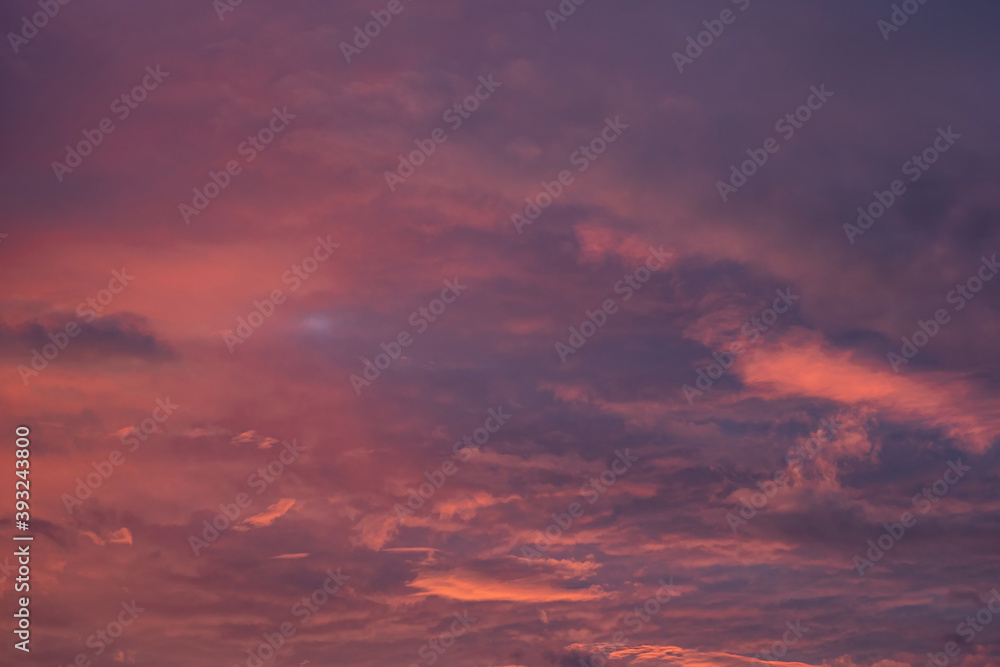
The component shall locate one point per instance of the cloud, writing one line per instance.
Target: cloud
(470, 586)
(120, 334)
(271, 514)
(674, 656)
(324, 177)
(807, 368)
(121, 536)
(253, 438)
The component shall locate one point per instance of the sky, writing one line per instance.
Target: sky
(501, 333)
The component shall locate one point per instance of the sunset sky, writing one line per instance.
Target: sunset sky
(519, 334)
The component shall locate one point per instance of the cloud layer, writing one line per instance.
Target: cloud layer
(318, 382)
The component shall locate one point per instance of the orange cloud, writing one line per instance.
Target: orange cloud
(807, 367)
(271, 514)
(468, 586)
